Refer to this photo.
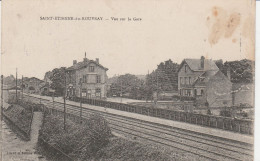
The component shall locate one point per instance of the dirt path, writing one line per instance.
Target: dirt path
(14, 149)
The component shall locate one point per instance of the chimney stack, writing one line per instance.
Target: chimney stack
(97, 60)
(85, 59)
(229, 73)
(74, 62)
(202, 62)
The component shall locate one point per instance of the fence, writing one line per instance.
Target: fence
(243, 126)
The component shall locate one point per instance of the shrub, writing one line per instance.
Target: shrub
(225, 113)
(79, 140)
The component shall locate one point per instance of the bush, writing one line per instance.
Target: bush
(81, 141)
(20, 116)
(122, 149)
(225, 113)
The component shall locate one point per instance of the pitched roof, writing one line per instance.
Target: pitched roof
(206, 76)
(82, 64)
(195, 64)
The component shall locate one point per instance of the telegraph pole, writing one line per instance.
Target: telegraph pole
(121, 94)
(80, 100)
(16, 86)
(65, 101)
(22, 87)
(2, 97)
(157, 86)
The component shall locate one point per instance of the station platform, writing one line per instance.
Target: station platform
(181, 125)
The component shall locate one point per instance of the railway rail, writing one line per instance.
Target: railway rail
(202, 145)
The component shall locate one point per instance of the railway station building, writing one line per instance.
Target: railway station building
(87, 77)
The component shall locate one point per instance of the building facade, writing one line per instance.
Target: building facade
(202, 80)
(32, 85)
(87, 78)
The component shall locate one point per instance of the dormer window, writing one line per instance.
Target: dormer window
(91, 68)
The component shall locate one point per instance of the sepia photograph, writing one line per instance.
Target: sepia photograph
(145, 80)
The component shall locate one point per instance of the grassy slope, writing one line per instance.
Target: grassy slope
(20, 116)
(78, 142)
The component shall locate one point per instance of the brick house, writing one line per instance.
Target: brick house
(89, 77)
(202, 80)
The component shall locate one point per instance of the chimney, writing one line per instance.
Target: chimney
(228, 73)
(97, 60)
(74, 62)
(202, 62)
(85, 59)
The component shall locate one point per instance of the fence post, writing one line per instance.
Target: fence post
(249, 127)
(239, 127)
(231, 128)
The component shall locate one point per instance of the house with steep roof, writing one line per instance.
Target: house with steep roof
(202, 80)
(88, 78)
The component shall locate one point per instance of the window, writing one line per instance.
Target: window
(85, 79)
(195, 92)
(181, 80)
(98, 92)
(186, 68)
(70, 79)
(189, 92)
(91, 68)
(98, 79)
(186, 80)
(84, 92)
(202, 92)
(186, 92)
(189, 80)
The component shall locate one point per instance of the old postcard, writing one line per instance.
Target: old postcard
(127, 80)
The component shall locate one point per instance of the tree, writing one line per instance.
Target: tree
(31, 88)
(164, 78)
(129, 85)
(241, 71)
(219, 63)
(58, 80)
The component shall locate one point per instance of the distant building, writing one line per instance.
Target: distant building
(202, 80)
(91, 74)
(32, 85)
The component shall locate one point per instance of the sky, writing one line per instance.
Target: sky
(216, 29)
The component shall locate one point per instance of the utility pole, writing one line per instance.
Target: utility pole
(2, 97)
(16, 86)
(147, 87)
(157, 86)
(121, 93)
(65, 101)
(22, 87)
(80, 100)
(52, 101)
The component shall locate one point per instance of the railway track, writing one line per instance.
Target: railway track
(205, 146)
